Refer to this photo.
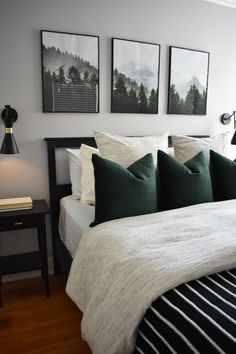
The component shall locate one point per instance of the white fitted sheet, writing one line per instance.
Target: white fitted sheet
(74, 220)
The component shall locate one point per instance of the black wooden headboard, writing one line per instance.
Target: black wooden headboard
(61, 257)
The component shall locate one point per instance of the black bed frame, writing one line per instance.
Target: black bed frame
(61, 257)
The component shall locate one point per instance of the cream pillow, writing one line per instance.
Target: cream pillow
(87, 174)
(126, 150)
(186, 147)
(75, 171)
(171, 152)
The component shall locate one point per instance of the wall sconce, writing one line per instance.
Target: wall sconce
(9, 146)
(226, 117)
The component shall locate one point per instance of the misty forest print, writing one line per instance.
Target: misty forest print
(188, 79)
(70, 72)
(135, 76)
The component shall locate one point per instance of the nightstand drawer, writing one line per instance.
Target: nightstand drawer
(19, 222)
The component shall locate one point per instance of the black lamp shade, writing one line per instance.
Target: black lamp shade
(9, 145)
(233, 141)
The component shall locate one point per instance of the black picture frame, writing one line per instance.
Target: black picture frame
(188, 81)
(70, 72)
(135, 72)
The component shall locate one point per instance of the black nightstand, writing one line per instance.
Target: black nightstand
(25, 219)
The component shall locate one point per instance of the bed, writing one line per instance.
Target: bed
(62, 257)
(153, 308)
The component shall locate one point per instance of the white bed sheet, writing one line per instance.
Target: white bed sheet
(74, 220)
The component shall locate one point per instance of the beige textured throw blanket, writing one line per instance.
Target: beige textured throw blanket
(122, 266)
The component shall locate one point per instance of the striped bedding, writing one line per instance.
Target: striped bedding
(122, 266)
(195, 317)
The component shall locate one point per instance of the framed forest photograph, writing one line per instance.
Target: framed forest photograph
(188, 81)
(70, 72)
(135, 76)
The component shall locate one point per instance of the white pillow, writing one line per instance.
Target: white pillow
(186, 147)
(171, 151)
(126, 150)
(75, 172)
(87, 175)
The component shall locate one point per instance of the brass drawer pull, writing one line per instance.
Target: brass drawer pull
(18, 223)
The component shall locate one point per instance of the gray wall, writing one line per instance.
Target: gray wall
(189, 23)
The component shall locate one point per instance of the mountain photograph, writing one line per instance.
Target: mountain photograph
(70, 72)
(135, 76)
(188, 81)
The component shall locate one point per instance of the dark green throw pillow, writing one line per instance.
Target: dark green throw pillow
(180, 185)
(223, 174)
(122, 192)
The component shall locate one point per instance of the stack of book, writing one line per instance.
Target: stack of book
(16, 204)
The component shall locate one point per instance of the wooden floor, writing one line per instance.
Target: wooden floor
(30, 323)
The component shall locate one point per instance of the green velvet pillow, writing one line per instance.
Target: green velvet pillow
(223, 174)
(122, 192)
(181, 184)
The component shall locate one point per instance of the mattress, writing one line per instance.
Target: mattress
(74, 220)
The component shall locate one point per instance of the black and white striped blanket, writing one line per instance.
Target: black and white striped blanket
(195, 317)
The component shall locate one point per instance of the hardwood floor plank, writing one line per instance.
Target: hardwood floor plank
(30, 323)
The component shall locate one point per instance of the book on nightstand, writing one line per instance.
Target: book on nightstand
(15, 204)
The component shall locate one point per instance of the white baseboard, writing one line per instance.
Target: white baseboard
(27, 275)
